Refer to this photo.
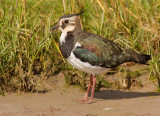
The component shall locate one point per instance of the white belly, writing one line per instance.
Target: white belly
(85, 66)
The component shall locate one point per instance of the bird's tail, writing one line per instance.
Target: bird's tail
(143, 58)
(139, 58)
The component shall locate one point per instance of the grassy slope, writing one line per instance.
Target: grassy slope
(29, 52)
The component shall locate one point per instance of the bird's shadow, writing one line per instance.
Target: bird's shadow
(118, 94)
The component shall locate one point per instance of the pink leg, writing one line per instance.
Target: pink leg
(85, 98)
(93, 88)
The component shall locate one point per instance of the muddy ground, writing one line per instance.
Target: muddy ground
(61, 101)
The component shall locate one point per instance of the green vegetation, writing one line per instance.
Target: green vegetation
(29, 51)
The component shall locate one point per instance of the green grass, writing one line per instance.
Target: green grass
(29, 51)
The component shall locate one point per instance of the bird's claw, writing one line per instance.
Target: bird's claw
(85, 100)
(88, 102)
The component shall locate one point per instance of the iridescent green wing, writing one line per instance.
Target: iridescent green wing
(100, 52)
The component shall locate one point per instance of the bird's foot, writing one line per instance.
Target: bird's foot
(88, 102)
(85, 99)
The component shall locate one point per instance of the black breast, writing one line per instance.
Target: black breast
(67, 46)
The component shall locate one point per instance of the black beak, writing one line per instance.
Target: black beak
(54, 27)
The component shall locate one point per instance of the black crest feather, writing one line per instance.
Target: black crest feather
(71, 15)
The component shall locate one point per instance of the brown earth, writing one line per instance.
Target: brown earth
(61, 101)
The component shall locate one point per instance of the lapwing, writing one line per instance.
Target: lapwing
(91, 53)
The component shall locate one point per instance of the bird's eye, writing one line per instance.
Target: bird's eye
(66, 21)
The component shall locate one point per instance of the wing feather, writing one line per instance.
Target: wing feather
(99, 51)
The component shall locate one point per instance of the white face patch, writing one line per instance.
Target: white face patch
(63, 36)
(71, 20)
(64, 33)
(70, 26)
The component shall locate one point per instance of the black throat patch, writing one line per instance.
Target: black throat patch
(67, 46)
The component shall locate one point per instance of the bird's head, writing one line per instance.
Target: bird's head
(68, 23)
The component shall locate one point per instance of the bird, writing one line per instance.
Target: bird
(91, 53)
